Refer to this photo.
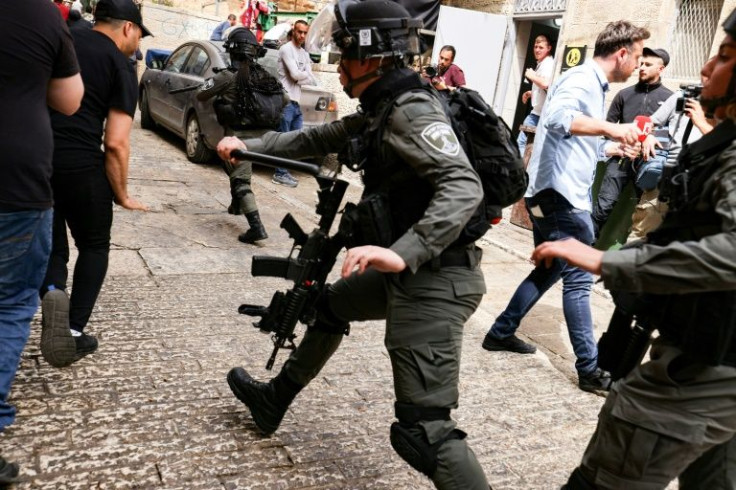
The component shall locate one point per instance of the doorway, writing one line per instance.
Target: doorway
(550, 28)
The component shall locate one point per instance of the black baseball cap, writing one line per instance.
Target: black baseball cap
(121, 10)
(659, 53)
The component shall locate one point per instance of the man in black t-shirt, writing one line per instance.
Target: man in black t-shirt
(37, 67)
(87, 179)
(642, 99)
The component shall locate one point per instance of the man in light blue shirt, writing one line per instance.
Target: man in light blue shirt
(219, 33)
(567, 147)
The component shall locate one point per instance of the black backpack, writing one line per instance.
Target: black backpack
(262, 98)
(486, 140)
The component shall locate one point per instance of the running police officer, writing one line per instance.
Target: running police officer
(247, 98)
(419, 278)
(675, 415)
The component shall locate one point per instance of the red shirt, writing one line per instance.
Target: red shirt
(453, 76)
(63, 9)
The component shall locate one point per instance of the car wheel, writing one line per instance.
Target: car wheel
(197, 151)
(147, 121)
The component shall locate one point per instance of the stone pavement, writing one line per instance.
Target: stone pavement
(151, 409)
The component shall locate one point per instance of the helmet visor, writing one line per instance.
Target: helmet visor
(319, 37)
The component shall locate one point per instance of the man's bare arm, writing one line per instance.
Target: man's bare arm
(117, 153)
(65, 94)
(588, 126)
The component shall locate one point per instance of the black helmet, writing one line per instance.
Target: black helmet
(374, 28)
(730, 24)
(242, 44)
(730, 27)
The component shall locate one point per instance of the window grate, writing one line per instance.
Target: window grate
(695, 26)
(539, 6)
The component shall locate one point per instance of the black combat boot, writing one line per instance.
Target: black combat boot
(256, 231)
(267, 402)
(8, 472)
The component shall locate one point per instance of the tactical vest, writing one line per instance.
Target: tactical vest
(702, 324)
(394, 196)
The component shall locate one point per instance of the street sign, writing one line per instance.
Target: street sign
(573, 56)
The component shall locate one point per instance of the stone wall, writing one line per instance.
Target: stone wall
(225, 7)
(586, 18)
(505, 7)
(172, 26)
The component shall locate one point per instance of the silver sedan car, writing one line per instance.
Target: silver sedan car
(168, 87)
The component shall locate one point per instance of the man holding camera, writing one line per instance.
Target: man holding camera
(686, 122)
(642, 99)
(446, 75)
(675, 415)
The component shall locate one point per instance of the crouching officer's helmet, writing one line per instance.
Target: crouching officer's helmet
(374, 29)
(242, 45)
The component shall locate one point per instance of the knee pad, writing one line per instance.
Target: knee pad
(412, 445)
(326, 320)
(238, 190)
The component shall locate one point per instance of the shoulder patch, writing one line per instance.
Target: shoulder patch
(441, 137)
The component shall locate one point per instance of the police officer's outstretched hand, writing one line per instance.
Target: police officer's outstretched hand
(379, 258)
(227, 145)
(574, 252)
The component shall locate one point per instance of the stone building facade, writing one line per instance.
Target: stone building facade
(688, 29)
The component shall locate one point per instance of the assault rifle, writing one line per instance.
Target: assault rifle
(316, 253)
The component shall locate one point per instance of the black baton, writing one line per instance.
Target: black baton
(276, 162)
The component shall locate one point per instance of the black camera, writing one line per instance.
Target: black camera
(430, 70)
(687, 92)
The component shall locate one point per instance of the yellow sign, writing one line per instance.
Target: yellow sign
(574, 56)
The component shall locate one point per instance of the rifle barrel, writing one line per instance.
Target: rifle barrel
(276, 162)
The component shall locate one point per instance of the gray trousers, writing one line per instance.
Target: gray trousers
(243, 199)
(425, 314)
(668, 417)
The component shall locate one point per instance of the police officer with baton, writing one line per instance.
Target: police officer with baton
(413, 272)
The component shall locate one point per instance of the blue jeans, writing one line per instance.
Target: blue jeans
(291, 120)
(560, 221)
(25, 244)
(530, 120)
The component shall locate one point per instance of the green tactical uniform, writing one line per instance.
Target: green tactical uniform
(426, 305)
(224, 86)
(675, 415)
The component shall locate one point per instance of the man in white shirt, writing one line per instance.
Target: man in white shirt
(540, 78)
(295, 70)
